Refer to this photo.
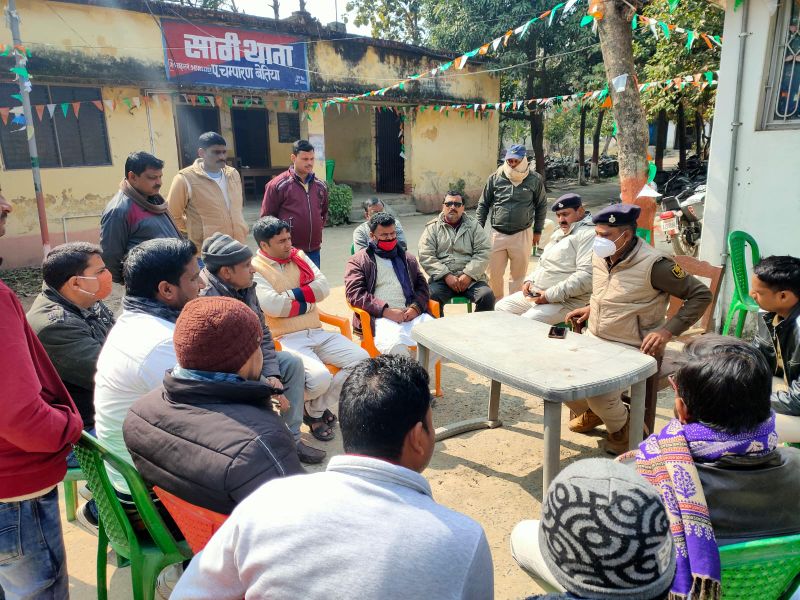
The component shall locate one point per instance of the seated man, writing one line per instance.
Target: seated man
(229, 272)
(718, 465)
(562, 281)
(776, 288)
(454, 251)
(174, 433)
(289, 286)
(371, 207)
(71, 320)
(368, 527)
(604, 533)
(387, 282)
(631, 286)
(161, 276)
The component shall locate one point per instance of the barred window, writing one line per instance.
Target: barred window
(62, 140)
(784, 92)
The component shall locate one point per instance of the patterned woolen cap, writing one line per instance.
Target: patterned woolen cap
(221, 250)
(604, 533)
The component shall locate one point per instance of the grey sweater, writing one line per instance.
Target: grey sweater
(363, 529)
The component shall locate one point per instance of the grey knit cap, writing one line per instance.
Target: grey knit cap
(221, 250)
(604, 533)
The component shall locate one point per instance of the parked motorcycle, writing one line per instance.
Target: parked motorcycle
(682, 219)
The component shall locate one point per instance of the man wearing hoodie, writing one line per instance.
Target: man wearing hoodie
(206, 196)
(38, 425)
(562, 281)
(515, 199)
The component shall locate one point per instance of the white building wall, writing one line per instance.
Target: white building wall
(764, 198)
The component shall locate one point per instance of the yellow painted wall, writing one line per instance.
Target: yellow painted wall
(279, 153)
(348, 140)
(442, 149)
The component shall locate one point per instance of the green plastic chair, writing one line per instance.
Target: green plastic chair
(741, 302)
(71, 480)
(148, 555)
(645, 234)
(766, 569)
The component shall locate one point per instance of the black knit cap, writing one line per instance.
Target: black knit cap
(221, 250)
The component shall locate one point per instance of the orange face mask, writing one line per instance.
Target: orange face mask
(104, 285)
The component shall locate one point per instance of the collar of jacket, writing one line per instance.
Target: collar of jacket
(55, 296)
(223, 288)
(370, 250)
(733, 461)
(311, 177)
(197, 168)
(367, 467)
(197, 393)
(586, 220)
(793, 317)
(625, 257)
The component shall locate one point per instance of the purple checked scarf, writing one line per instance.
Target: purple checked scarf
(666, 460)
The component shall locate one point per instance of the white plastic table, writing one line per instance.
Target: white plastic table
(516, 351)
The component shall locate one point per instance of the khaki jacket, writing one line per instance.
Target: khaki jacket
(444, 251)
(198, 206)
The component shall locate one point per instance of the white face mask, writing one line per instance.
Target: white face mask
(604, 247)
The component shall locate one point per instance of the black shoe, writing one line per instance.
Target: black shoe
(87, 517)
(309, 455)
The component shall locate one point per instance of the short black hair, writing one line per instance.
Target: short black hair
(725, 383)
(383, 219)
(454, 194)
(154, 261)
(780, 273)
(139, 162)
(211, 138)
(302, 146)
(382, 399)
(67, 260)
(267, 228)
(372, 202)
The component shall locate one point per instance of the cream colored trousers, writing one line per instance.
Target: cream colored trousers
(516, 249)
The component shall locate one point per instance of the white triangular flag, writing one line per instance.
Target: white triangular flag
(653, 28)
(17, 110)
(648, 192)
(568, 6)
(135, 101)
(109, 104)
(51, 108)
(620, 82)
(496, 43)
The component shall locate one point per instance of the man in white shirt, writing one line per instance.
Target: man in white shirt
(367, 527)
(161, 276)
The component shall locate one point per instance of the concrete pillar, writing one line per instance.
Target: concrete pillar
(316, 135)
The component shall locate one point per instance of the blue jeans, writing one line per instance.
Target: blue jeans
(72, 462)
(293, 377)
(314, 256)
(32, 561)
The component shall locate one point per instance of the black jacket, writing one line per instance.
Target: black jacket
(788, 335)
(73, 338)
(209, 443)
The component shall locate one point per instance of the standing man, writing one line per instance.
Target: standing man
(562, 281)
(298, 197)
(38, 425)
(71, 320)
(206, 196)
(631, 286)
(136, 213)
(373, 206)
(454, 251)
(228, 272)
(515, 197)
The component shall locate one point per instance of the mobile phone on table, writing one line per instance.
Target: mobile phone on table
(557, 332)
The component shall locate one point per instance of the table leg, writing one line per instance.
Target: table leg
(637, 414)
(423, 356)
(552, 443)
(491, 422)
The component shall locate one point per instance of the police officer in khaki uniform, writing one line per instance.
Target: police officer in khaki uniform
(631, 286)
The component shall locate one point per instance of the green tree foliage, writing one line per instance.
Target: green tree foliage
(389, 19)
(208, 4)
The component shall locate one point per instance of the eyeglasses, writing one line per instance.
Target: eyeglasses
(454, 204)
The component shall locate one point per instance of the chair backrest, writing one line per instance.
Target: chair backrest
(703, 269)
(197, 524)
(766, 569)
(93, 455)
(737, 240)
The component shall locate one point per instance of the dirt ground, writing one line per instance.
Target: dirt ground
(494, 476)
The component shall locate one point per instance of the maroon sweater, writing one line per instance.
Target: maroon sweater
(305, 211)
(38, 420)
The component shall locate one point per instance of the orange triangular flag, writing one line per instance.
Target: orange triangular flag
(4, 115)
(76, 106)
(192, 99)
(218, 101)
(483, 49)
(98, 104)
(40, 111)
(606, 103)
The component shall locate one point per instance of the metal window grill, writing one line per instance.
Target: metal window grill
(786, 100)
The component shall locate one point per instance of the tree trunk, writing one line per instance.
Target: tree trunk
(661, 138)
(698, 133)
(681, 133)
(276, 6)
(535, 117)
(616, 44)
(598, 128)
(582, 146)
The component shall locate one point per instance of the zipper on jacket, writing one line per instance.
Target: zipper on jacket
(310, 219)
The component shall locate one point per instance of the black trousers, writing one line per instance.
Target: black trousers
(479, 293)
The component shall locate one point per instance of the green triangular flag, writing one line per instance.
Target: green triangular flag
(446, 66)
(737, 4)
(64, 108)
(308, 117)
(586, 20)
(665, 28)
(709, 77)
(717, 39)
(402, 85)
(21, 71)
(690, 35)
(229, 101)
(202, 100)
(248, 103)
(6, 50)
(296, 105)
(275, 104)
(17, 97)
(673, 4)
(553, 13)
(651, 172)
(635, 21)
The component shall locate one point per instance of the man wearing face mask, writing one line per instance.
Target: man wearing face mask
(71, 320)
(631, 286)
(515, 198)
